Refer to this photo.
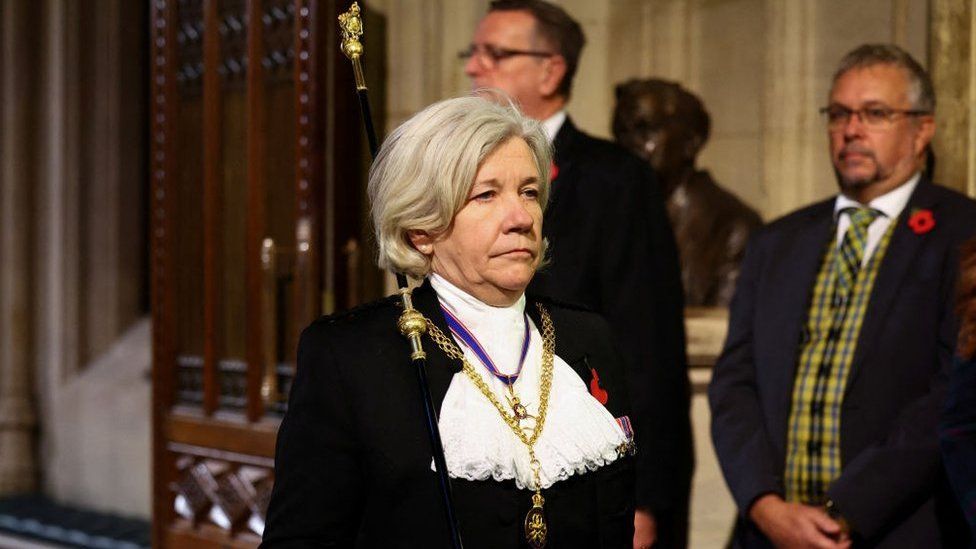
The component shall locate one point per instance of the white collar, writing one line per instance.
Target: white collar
(552, 124)
(458, 301)
(580, 434)
(890, 204)
(500, 330)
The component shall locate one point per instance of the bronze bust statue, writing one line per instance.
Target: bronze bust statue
(667, 125)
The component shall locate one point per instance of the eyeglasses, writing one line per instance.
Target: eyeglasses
(838, 116)
(491, 55)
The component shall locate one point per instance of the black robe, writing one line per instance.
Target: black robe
(353, 459)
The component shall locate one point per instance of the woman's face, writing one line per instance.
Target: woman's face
(492, 248)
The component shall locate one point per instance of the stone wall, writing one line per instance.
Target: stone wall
(762, 67)
(72, 252)
(953, 67)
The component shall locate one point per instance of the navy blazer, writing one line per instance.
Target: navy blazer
(352, 463)
(891, 488)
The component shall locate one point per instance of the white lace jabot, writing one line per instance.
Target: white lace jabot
(579, 435)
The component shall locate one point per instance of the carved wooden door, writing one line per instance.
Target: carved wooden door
(255, 227)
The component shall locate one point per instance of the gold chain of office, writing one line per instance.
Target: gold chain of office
(451, 349)
(536, 530)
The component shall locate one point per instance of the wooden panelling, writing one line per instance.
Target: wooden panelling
(185, 536)
(163, 291)
(255, 128)
(308, 154)
(234, 214)
(233, 26)
(280, 165)
(187, 131)
(256, 439)
(257, 212)
(212, 186)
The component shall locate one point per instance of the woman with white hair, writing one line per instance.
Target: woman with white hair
(530, 394)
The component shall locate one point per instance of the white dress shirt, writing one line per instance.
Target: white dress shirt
(579, 435)
(889, 204)
(552, 124)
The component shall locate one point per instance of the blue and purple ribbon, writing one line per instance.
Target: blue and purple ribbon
(461, 332)
(624, 422)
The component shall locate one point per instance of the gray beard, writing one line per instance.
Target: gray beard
(855, 184)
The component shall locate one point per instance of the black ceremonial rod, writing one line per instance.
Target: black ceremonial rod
(411, 323)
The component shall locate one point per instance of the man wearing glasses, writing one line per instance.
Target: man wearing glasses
(612, 248)
(826, 399)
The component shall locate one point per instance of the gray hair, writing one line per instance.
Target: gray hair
(921, 92)
(425, 170)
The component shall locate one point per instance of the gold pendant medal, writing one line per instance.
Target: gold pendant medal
(518, 409)
(536, 530)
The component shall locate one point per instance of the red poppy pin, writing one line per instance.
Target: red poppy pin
(921, 221)
(553, 172)
(598, 392)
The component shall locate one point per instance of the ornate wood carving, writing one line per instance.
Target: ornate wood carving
(234, 384)
(279, 45)
(223, 491)
(232, 26)
(189, 38)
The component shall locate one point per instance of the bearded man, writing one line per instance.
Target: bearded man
(827, 396)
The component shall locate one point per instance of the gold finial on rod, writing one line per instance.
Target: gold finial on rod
(413, 325)
(352, 28)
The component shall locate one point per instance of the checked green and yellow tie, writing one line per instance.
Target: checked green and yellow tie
(851, 252)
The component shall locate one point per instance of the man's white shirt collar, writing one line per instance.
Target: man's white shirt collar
(552, 124)
(890, 204)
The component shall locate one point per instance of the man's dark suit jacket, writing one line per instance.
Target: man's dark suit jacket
(891, 488)
(352, 465)
(612, 249)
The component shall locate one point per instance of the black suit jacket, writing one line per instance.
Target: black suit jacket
(352, 465)
(612, 249)
(891, 484)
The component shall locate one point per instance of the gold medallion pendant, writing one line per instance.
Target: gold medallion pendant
(536, 530)
(518, 409)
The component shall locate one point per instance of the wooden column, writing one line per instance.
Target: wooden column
(17, 95)
(308, 158)
(953, 68)
(212, 202)
(257, 300)
(163, 165)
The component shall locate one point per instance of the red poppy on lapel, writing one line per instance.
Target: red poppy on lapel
(553, 171)
(598, 392)
(921, 221)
